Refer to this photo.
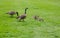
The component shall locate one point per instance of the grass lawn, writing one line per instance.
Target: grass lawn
(49, 10)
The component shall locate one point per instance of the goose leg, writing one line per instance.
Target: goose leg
(11, 16)
(19, 20)
(23, 19)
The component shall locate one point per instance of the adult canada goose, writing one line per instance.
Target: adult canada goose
(38, 18)
(11, 13)
(23, 16)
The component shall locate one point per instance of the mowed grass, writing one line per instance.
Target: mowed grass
(49, 10)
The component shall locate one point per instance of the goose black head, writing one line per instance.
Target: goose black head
(17, 13)
(25, 10)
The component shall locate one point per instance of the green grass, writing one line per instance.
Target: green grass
(49, 10)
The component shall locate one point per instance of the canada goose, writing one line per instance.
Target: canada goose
(38, 18)
(35, 17)
(11, 13)
(23, 16)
